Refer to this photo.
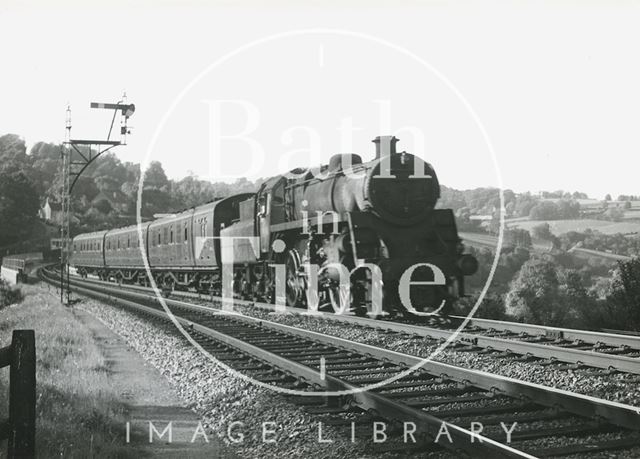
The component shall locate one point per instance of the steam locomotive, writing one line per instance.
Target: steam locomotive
(352, 236)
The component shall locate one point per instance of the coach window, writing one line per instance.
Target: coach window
(186, 234)
(159, 238)
(171, 235)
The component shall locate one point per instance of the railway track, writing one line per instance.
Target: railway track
(434, 398)
(606, 352)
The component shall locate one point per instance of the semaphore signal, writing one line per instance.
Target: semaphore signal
(74, 165)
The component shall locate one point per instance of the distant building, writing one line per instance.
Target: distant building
(51, 211)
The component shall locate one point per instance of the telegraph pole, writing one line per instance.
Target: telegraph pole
(73, 165)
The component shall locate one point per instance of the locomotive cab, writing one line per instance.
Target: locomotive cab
(269, 209)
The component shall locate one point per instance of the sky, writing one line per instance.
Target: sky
(525, 95)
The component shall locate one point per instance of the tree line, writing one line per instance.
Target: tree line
(104, 196)
(557, 290)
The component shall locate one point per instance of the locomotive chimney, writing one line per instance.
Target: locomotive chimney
(385, 145)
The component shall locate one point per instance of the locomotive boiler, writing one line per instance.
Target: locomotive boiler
(362, 216)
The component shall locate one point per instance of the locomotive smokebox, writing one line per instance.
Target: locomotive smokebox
(385, 145)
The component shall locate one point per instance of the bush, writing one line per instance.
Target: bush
(623, 302)
(9, 295)
(613, 214)
(492, 307)
(542, 231)
(545, 210)
(536, 296)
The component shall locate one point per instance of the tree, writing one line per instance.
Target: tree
(156, 196)
(627, 205)
(18, 205)
(154, 176)
(45, 165)
(576, 299)
(607, 197)
(542, 231)
(524, 205)
(568, 208)
(613, 214)
(103, 206)
(535, 296)
(624, 300)
(13, 151)
(545, 210)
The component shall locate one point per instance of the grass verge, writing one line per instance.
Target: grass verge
(78, 412)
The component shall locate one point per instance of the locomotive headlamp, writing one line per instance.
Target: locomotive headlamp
(468, 265)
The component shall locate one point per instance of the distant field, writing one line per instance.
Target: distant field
(587, 253)
(481, 240)
(563, 226)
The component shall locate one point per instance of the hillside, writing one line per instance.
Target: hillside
(580, 225)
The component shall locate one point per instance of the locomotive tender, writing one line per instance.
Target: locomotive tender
(349, 235)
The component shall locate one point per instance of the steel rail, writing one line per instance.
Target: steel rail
(588, 336)
(617, 413)
(584, 405)
(549, 351)
(475, 444)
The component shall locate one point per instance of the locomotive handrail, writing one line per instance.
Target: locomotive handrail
(20, 427)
